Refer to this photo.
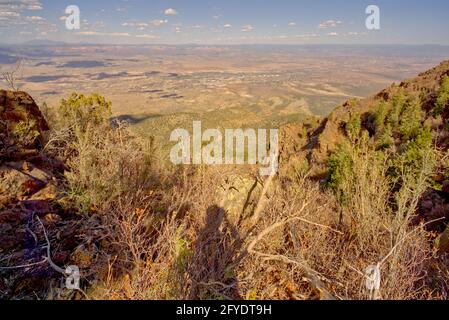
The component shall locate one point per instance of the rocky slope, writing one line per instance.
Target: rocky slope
(29, 208)
(316, 143)
(309, 145)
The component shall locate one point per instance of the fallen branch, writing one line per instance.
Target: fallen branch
(49, 260)
(25, 265)
(262, 200)
(310, 274)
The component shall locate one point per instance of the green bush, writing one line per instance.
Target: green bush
(81, 111)
(386, 139)
(379, 116)
(443, 97)
(353, 127)
(396, 108)
(414, 153)
(418, 147)
(411, 118)
(339, 166)
(25, 132)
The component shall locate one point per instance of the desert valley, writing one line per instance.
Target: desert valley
(160, 88)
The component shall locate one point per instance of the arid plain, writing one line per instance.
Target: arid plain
(160, 88)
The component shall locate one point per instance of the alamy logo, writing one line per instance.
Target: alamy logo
(73, 20)
(73, 278)
(235, 146)
(373, 20)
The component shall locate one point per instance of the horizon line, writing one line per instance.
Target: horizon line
(57, 42)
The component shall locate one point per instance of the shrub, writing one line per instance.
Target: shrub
(107, 165)
(413, 154)
(396, 108)
(339, 166)
(418, 148)
(443, 97)
(411, 118)
(81, 111)
(354, 126)
(386, 139)
(379, 115)
(25, 132)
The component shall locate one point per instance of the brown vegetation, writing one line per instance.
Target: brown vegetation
(153, 231)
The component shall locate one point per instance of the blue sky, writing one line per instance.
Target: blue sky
(227, 22)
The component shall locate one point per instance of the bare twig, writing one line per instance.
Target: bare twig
(404, 238)
(50, 261)
(262, 200)
(310, 274)
(13, 76)
(25, 265)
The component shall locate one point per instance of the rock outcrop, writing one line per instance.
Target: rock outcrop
(22, 124)
(311, 146)
(30, 206)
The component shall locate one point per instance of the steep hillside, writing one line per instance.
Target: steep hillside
(401, 122)
(323, 140)
(331, 132)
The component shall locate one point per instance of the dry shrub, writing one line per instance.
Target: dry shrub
(326, 243)
(169, 236)
(108, 163)
(163, 243)
(143, 253)
(172, 240)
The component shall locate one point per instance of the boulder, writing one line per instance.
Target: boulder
(21, 179)
(21, 122)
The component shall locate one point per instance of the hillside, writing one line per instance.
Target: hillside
(323, 140)
(364, 189)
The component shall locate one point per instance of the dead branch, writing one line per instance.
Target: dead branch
(13, 76)
(310, 274)
(263, 198)
(49, 260)
(25, 265)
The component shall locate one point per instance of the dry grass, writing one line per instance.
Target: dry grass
(169, 236)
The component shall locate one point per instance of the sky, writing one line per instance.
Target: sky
(226, 21)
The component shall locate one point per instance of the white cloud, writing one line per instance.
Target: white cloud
(11, 11)
(158, 23)
(9, 14)
(170, 12)
(292, 24)
(34, 18)
(329, 24)
(332, 34)
(112, 34)
(138, 25)
(146, 36)
(247, 28)
(21, 5)
(227, 25)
